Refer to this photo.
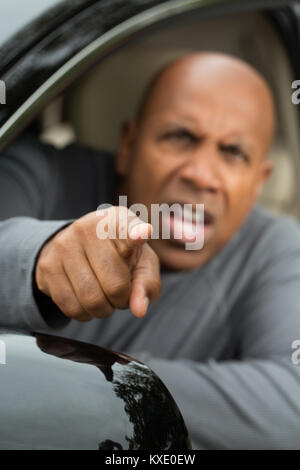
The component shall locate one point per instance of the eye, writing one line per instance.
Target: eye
(234, 152)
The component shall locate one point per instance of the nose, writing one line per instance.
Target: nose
(202, 170)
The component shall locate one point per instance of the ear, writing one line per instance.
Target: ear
(126, 147)
(265, 173)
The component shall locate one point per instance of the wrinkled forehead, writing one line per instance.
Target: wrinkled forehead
(209, 77)
(232, 98)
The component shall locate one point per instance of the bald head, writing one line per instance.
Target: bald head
(213, 74)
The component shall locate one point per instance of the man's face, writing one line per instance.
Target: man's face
(198, 143)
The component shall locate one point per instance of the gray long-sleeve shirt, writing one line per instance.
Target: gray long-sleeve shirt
(220, 336)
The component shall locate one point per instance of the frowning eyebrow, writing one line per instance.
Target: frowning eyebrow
(178, 129)
(178, 125)
(234, 143)
(227, 141)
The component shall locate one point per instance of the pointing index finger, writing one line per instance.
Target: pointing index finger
(137, 232)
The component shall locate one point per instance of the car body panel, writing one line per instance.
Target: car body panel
(58, 393)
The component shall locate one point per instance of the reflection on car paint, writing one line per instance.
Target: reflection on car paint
(58, 393)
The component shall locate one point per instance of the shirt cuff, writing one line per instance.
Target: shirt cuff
(38, 310)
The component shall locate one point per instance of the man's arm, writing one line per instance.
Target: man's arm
(27, 186)
(253, 401)
(235, 405)
(55, 267)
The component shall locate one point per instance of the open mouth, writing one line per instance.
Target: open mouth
(188, 223)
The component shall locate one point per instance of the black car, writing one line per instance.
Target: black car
(74, 70)
(58, 393)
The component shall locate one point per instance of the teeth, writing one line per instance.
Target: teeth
(186, 231)
(190, 215)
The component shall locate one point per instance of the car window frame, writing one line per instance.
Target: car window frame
(111, 41)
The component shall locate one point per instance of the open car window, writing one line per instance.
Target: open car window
(100, 86)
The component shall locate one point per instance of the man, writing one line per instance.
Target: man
(220, 334)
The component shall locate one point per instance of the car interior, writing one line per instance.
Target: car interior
(92, 110)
